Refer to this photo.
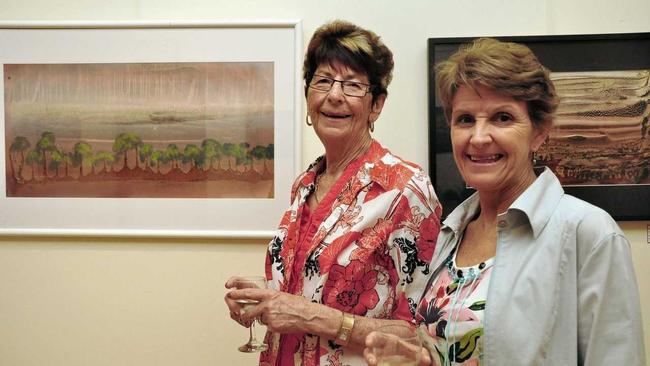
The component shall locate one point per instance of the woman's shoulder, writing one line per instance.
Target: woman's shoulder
(592, 223)
(406, 179)
(388, 157)
(582, 211)
(385, 162)
(307, 176)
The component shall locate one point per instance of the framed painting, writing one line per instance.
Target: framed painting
(600, 143)
(187, 129)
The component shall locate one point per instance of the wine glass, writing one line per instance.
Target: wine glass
(253, 345)
(400, 345)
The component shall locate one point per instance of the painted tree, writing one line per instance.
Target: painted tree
(106, 158)
(71, 161)
(57, 157)
(17, 153)
(145, 155)
(229, 152)
(67, 160)
(82, 152)
(259, 153)
(269, 154)
(45, 146)
(192, 155)
(165, 157)
(211, 151)
(242, 155)
(35, 159)
(172, 154)
(155, 160)
(124, 142)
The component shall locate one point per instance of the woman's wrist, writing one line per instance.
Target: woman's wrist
(321, 320)
(344, 333)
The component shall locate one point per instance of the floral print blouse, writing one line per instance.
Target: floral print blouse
(452, 310)
(369, 256)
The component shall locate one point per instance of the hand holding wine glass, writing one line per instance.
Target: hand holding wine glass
(253, 345)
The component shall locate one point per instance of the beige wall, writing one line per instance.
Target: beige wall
(90, 301)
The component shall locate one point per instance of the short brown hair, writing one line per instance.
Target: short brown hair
(509, 68)
(357, 48)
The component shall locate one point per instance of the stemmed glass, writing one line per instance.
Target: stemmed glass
(253, 345)
(400, 345)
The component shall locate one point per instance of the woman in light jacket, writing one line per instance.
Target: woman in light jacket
(524, 273)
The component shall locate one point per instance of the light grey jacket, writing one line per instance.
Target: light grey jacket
(563, 289)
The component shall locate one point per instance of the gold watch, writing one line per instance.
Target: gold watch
(345, 331)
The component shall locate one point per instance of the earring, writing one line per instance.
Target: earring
(371, 125)
(534, 158)
(307, 120)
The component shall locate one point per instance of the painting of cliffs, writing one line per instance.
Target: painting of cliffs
(151, 130)
(601, 134)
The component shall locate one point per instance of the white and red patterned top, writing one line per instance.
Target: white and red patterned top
(366, 250)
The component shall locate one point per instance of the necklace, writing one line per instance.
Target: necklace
(317, 185)
(340, 166)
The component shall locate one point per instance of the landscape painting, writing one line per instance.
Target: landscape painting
(599, 147)
(147, 130)
(600, 134)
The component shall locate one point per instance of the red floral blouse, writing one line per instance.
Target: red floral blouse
(369, 255)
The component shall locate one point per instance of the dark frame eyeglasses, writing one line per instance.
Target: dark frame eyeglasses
(350, 88)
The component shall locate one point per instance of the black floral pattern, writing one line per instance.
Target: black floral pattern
(312, 267)
(412, 306)
(276, 247)
(342, 265)
(412, 261)
(333, 345)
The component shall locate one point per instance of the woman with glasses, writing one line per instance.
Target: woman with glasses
(354, 247)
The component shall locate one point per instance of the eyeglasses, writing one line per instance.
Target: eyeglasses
(350, 88)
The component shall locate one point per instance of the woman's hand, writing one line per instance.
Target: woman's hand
(373, 340)
(236, 309)
(378, 340)
(279, 311)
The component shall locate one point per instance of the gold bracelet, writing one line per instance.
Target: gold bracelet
(345, 331)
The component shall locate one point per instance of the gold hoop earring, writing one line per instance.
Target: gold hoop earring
(307, 120)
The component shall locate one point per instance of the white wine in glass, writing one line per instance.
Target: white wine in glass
(253, 345)
(246, 303)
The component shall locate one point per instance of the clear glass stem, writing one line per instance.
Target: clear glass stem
(253, 338)
(253, 344)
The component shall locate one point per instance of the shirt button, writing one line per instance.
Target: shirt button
(503, 223)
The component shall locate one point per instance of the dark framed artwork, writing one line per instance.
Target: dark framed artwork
(600, 144)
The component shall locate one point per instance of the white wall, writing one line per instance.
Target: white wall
(91, 301)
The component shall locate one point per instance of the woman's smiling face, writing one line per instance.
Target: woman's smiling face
(340, 119)
(492, 138)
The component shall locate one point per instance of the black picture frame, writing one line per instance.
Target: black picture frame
(565, 53)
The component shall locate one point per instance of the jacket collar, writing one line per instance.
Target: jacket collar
(374, 157)
(540, 200)
(537, 203)
(458, 219)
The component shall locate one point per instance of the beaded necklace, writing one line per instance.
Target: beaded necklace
(462, 279)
